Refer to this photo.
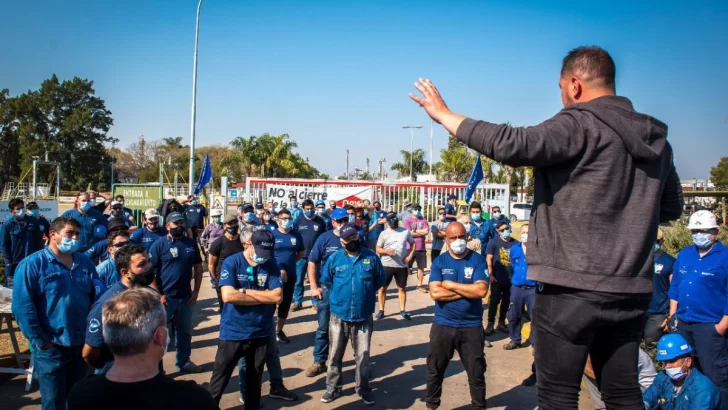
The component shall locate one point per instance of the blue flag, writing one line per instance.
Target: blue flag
(206, 175)
(475, 177)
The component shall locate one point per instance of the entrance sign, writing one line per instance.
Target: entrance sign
(141, 197)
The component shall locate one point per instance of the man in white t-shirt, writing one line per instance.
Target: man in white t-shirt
(392, 248)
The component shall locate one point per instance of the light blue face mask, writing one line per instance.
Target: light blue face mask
(675, 373)
(68, 245)
(702, 240)
(286, 223)
(497, 215)
(218, 219)
(506, 234)
(248, 217)
(418, 214)
(85, 206)
(258, 261)
(656, 248)
(20, 213)
(352, 218)
(308, 214)
(34, 212)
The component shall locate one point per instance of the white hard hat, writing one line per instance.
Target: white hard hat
(702, 220)
(216, 212)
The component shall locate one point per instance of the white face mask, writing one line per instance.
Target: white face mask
(524, 238)
(459, 246)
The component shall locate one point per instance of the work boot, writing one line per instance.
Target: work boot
(529, 381)
(315, 369)
(502, 327)
(512, 346)
(296, 307)
(488, 330)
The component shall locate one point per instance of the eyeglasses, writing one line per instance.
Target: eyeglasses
(120, 244)
(502, 230)
(704, 231)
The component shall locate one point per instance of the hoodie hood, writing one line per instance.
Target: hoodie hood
(644, 137)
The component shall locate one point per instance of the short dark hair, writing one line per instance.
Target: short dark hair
(440, 209)
(284, 211)
(59, 223)
(122, 258)
(307, 202)
(476, 205)
(500, 224)
(593, 63)
(359, 210)
(377, 202)
(417, 207)
(15, 202)
(115, 234)
(348, 206)
(494, 207)
(119, 197)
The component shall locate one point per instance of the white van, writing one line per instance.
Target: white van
(520, 211)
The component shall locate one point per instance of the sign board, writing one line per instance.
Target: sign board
(233, 193)
(342, 195)
(218, 202)
(47, 208)
(138, 197)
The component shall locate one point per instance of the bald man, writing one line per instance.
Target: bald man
(458, 283)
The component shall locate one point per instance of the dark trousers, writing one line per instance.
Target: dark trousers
(470, 345)
(520, 297)
(653, 328)
(57, 369)
(227, 357)
(500, 295)
(569, 324)
(711, 352)
(288, 288)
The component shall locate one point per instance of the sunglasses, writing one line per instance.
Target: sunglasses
(120, 244)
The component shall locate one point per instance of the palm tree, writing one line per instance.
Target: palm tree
(172, 143)
(416, 166)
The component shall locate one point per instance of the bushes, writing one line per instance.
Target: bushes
(677, 236)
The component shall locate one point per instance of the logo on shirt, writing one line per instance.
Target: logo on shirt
(468, 273)
(293, 241)
(174, 252)
(316, 228)
(225, 274)
(262, 277)
(708, 274)
(94, 326)
(658, 267)
(366, 261)
(188, 250)
(448, 271)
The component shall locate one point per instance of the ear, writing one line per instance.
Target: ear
(160, 336)
(575, 88)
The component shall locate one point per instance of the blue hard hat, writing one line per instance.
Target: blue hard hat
(339, 213)
(672, 346)
(320, 202)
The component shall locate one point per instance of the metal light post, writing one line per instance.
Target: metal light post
(194, 102)
(412, 145)
(432, 132)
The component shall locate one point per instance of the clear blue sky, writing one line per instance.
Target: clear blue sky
(335, 75)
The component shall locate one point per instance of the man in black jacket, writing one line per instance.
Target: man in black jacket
(604, 179)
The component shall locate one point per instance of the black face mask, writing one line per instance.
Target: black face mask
(232, 230)
(116, 213)
(394, 224)
(353, 246)
(177, 231)
(145, 278)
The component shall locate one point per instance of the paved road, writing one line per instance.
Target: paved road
(399, 350)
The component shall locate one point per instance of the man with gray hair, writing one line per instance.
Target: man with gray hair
(135, 330)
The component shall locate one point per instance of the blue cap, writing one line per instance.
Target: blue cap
(671, 346)
(347, 230)
(174, 217)
(339, 213)
(320, 202)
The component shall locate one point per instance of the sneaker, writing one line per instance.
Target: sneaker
(296, 307)
(367, 398)
(512, 346)
(379, 315)
(330, 396)
(281, 393)
(529, 381)
(241, 399)
(422, 289)
(282, 338)
(190, 367)
(315, 369)
(502, 328)
(404, 316)
(488, 330)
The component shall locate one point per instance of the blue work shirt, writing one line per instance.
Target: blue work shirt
(271, 226)
(173, 261)
(295, 213)
(353, 283)
(108, 274)
(248, 322)
(287, 246)
(696, 393)
(479, 231)
(700, 285)
(492, 232)
(20, 238)
(99, 252)
(660, 303)
(51, 301)
(310, 230)
(375, 228)
(146, 238)
(89, 221)
(520, 267)
(325, 246)
(438, 243)
(94, 336)
(195, 216)
(465, 313)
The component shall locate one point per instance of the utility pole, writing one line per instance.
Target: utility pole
(412, 146)
(432, 132)
(194, 102)
(347, 164)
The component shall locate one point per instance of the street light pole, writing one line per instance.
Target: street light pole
(412, 145)
(432, 131)
(194, 103)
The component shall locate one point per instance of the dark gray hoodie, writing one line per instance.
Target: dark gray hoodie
(604, 179)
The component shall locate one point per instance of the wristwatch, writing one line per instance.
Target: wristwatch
(243, 290)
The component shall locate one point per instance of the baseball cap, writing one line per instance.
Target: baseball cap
(246, 207)
(117, 224)
(292, 196)
(258, 205)
(451, 196)
(31, 204)
(263, 243)
(174, 217)
(116, 204)
(320, 202)
(216, 212)
(151, 213)
(391, 215)
(348, 230)
(339, 213)
(229, 218)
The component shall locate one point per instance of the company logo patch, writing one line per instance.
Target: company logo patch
(366, 261)
(658, 267)
(93, 326)
(316, 228)
(468, 273)
(174, 252)
(684, 347)
(662, 352)
(293, 241)
(225, 274)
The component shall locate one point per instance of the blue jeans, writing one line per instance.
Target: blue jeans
(57, 369)
(272, 362)
(301, 272)
(711, 350)
(520, 297)
(178, 309)
(321, 343)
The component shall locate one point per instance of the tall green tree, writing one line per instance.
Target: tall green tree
(719, 174)
(418, 165)
(266, 156)
(66, 119)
